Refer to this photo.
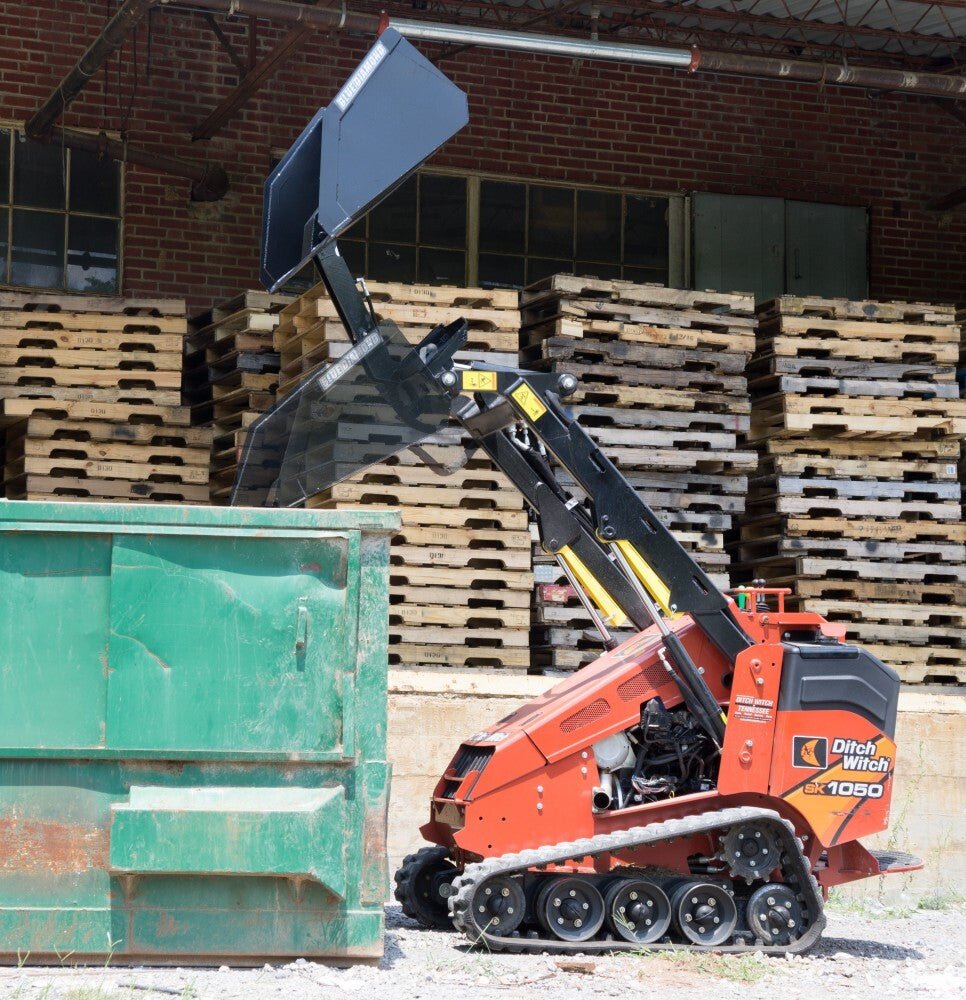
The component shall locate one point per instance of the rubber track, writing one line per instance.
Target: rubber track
(795, 870)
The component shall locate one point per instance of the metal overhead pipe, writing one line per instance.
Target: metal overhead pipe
(869, 77)
(110, 39)
(523, 41)
(209, 181)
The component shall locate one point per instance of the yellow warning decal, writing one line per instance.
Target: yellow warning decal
(528, 401)
(479, 381)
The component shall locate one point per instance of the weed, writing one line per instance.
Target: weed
(85, 993)
(941, 901)
(748, 968)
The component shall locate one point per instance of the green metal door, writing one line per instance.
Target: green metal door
(739, 244)
(826, 250)
(223, 639)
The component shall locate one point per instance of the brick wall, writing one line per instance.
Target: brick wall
(533, 116)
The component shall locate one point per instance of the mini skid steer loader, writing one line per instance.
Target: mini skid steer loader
(702, 784)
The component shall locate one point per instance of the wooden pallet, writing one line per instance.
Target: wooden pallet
(640, 333)
(39, 341)
(883, 312)
(480, 598)
(49, 397)
(103, 453)
(30, 377)
(77, 469)
(766, 364)
(908, 469)
(921, 615)
(34, 487)
(417, 655)
(133, 414)
(597, 352)
(459, 616)
(787, 415)
(251, 300)
(125, 432)
(471, 518)
(55, 302)
(443, 295)
(91, 322)
(884, 591)
(574, 286)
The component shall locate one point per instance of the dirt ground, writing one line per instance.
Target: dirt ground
(868, 953)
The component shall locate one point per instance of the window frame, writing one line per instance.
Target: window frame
(679, 219)
(7, 203)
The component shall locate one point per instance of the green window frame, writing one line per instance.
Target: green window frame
(61, 217)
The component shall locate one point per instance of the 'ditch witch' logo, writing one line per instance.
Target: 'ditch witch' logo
(809, 751)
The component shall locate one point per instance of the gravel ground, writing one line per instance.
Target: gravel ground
(867, 953)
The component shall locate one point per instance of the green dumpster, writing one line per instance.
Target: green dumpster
(192, 732)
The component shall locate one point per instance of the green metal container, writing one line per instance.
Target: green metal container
(192, 731)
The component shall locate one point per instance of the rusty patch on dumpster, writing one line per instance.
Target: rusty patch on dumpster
(55, 848)
(374, 833)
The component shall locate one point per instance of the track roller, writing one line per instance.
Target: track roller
(775, 914)
(704, 912)
(637, 910)
(499, 905)
(570, 908)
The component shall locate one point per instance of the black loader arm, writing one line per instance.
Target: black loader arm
(650, 560)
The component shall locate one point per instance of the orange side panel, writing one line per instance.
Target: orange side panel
(746, 757)
(836, 769)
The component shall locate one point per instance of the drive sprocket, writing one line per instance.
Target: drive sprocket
(751, 851)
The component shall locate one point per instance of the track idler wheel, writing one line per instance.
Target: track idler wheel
(498, 906)
(570, 908)
(704, 912)
(637, 910)
(775, 914)
(751, 851)
(422, 887)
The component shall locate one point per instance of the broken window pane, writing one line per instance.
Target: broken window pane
(92, 255)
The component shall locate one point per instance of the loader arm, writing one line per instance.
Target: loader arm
(383, 396)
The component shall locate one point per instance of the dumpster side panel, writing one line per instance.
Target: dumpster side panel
(229, 639)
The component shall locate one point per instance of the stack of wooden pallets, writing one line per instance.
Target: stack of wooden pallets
(231, 374)
(90, 393)
(311, 334)
(460, 579)
(663, 392)
(856, 505)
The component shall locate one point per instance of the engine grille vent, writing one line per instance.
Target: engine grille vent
(641, 684)
(467, 759)
(593, 712)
